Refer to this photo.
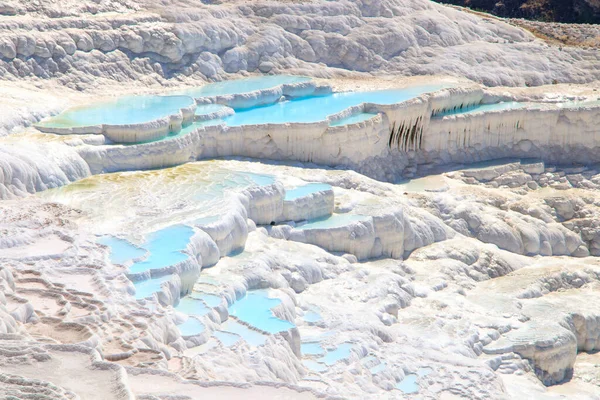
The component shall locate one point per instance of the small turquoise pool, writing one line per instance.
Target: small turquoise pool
(255, 309)
(191, 327)
(210, 300)
(228, 339)
(192, 306)
(121, 250)
(165, 247)
(314, 366)
(311, 316)
(305, 190)
(250, 336)
(122, 111)
(312, 348)
(244, 85)
(508, 105)
(341, 352)
(353, 119)
(334, 221)
(409, 384)
(144, 289)
(318, 108)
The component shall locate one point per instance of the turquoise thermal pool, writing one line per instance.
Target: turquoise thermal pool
(121, 251)
(508, 105)
(122, 111)
(312, 348)
(318, 108)
(334, 221)
(191, 327)
(255, 310)
(305, 190)
(165, 248)
(192, 306)
(144, 289)
(409, 384)
(243, 85)
(353, 119)
(341, 352)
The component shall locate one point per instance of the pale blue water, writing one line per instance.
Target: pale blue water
(124, 110)
(191, 327)
(259, 179)
(204, 109)
(305, 190)
(317, 108)
(312, 348)
(508, 105)
(121, 250)
(248, 335)
(311, 316)
(228, 339)
(582, 103)
(165, 248)
(255, 309)
(353, 119)
(342, 352)
(409, 384)
(192, 306)
(210, 300)
(244, 85)
(378, 368)
(314, 366)
(147, 288)
(334, 221)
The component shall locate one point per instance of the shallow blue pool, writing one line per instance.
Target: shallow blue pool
(508, 105)
(191, 327)
(311, 316)
(122, 111)
(165, 247)
(317, 108)
(312, 348)
(144, 289)
(228, 339)
(341, 352)
(305, 190)
(250, 336)
(243, 85)
(334, 221)
(210, 300)
(314, 366)
(353, 119)
(409, 384)
(255, 309)
(121, 250)
(192, 306)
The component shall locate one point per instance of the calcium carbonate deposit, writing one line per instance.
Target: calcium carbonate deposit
(354, 199)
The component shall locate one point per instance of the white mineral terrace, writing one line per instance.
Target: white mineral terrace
(295, 200)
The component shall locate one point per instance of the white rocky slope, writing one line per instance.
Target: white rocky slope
(472, 310)
(79, 44)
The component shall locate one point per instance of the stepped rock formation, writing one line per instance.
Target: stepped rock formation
(415, 217)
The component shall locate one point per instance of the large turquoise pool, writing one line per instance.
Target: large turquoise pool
(318, 108)
(121, 111)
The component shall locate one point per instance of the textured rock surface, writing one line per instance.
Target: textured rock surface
(150, 42)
